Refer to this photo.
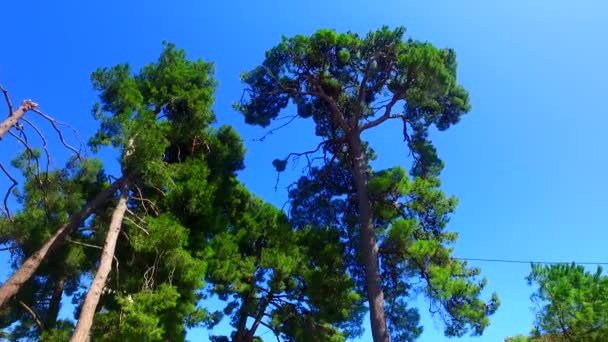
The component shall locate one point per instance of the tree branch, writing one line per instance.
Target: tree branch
(88, 245)
(55, 125)
(32, 313)
(276, 334)
(386, 116)
(333, 106)
(14, 115)
(8, 192)
(270, 132)
(44, 142)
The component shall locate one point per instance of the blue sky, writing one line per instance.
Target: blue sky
(527, 163)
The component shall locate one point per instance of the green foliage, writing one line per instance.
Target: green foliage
(411, 217)
(294, 281)
(360, 75)
(47, 199)
(572, 302)
(185, 170)
(348, 84)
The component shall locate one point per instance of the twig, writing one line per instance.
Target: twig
(89, 245)
(55, 125)
(135, 215)
(8, 100)
(292, 118)
(8, 248)
(137, 225)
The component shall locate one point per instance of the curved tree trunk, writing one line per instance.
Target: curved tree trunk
(368, 245)
(10, 288)
(87, 312)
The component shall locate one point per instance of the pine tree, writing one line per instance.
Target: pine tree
(348, 85)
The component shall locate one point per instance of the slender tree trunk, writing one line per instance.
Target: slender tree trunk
(368, 244)
(10, 288)
(15, 116)
(85, 321)
(241, 331)
(55, 304)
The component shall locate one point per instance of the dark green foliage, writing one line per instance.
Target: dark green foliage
(47, 201)
(361, 76)
(184, 170)
(411, 217)
(282, 278)
(572, 302)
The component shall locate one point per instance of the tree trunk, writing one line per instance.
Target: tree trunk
(10, 288)
(85, 321)
(368, 246)
(55, 304)
(15, 116)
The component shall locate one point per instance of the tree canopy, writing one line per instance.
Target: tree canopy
(571, 302)
(141, 242)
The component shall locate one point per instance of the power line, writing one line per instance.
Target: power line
(532, 262)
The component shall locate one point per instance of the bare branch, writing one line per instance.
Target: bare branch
(55, 125)
(270, 132)
(44, 143)
(143, 201)
(12, 248)
(14, 115)
(89, 245)
(7, 98)
(8, 192)
(32, 313)
(138, 226)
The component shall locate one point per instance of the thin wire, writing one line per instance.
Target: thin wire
(532, 262)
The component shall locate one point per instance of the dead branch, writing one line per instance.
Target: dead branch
(88, 245)
(143, 200)
(32, 313)
(138, 226)
(14, 115)
(271, 132)
(55, 125)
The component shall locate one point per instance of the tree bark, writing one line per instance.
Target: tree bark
(368, 245)
(55, 304)
(10, 288)
(87, 312)
(15, 116)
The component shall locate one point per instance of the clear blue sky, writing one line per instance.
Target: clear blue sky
(528, 163)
